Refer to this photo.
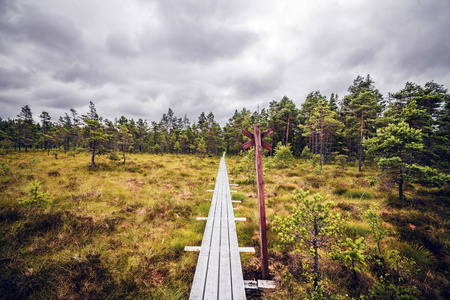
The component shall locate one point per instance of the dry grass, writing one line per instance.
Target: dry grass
(119, 231)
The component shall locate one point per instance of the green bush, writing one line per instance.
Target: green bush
(340, 191)
(35, 196)
(373, 180)
(4, 168)
(283, 155)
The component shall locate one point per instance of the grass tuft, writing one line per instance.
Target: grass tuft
(358, 195)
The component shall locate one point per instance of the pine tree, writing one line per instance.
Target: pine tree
(125, 140)
(46, 124)
(93, 132)
(398, 146)
(363, 105)
(312, 225)
(25, 125)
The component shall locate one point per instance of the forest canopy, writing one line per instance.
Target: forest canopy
(327, 127)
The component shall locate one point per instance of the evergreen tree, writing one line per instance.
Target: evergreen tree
(312, 226)
(125, 140)
(284, 121)
(362, 106)
(398, 145)
(25, 125)
(75, 129)
(320, 127)
(93, 132)
(428, 104)
(46, 124)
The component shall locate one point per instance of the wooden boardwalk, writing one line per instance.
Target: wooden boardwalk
(219, 273)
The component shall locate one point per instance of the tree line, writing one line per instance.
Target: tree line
(325, 128)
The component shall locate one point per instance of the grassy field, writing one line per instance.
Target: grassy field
(119, 231)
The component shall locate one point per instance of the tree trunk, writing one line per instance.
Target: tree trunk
(123, 153)
(316, 261)
(400, 184)
(321, 141)
(287, 130)
(93, 157)
(360, 155)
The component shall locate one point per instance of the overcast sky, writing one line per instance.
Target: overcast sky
(138, 58)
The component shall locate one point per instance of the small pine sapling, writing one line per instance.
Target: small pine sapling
(312, 226)
(35, 196)
(4, 168)
(342, 159)
(352, 255)
(33, 163)
(372, 216)
(306, 153)
(283, 155)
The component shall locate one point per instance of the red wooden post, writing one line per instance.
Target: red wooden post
(257, 141)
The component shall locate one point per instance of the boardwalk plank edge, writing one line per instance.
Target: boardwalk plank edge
(260, 284)
(198, 248)
(206, 218)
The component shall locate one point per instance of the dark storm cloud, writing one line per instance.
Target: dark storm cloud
(82, 73)
(189, 31)
(121, 45)
(15, 78)
(138, 58)
(30, 25)
(415, 37)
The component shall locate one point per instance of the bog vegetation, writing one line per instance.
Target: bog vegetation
(357, 193)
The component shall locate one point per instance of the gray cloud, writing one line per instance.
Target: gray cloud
(189, 31)
(83, 73)
(15, 78)
(30, 25)
(121, 45)
(138, 58)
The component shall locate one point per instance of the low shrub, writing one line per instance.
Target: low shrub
(340, 191)
(238, 196)
(35, 196)
(358, 194)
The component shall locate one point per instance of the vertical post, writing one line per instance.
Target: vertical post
(262, 209)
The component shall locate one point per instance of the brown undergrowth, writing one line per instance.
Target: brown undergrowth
(119, 231)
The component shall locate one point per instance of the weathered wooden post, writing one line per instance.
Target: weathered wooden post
(256, 140)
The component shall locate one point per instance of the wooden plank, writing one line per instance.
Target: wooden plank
(225, 287)
(219, 272)
(211, 288)
(192, 248)
(235, 259)
(266, 284)
(247, 249)
(251, 284)
(205, 218)
(241, 249)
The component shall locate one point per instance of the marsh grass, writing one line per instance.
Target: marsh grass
(119, 231)
(419, 254)
(361, 195)
(356, 229)
(116, 231)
